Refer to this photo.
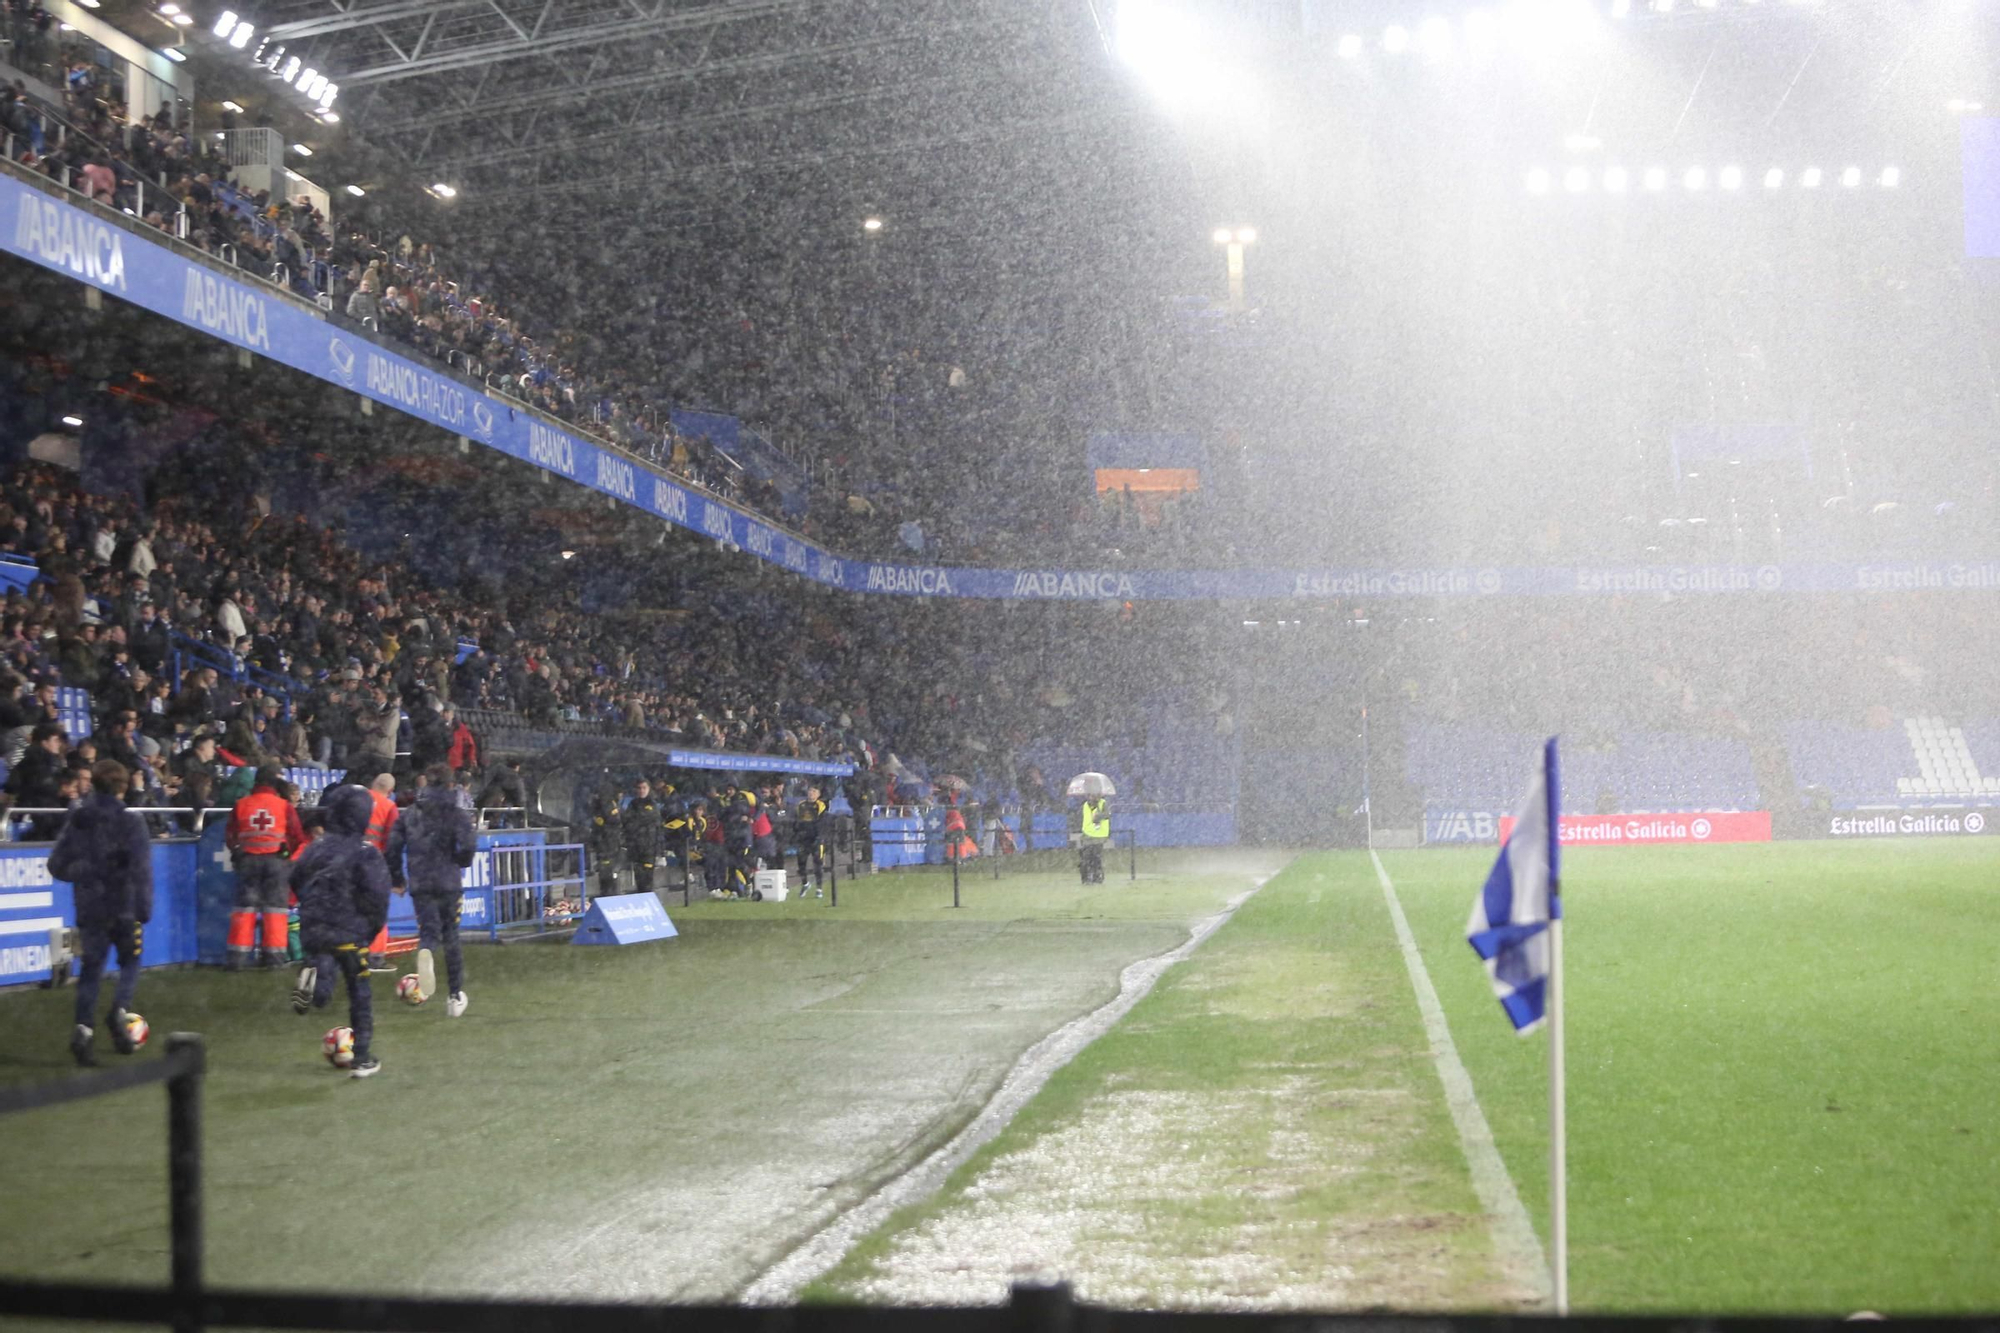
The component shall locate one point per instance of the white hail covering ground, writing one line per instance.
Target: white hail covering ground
(784, 1280)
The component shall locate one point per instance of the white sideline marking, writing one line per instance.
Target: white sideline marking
(781, 1283)
(1514, 1238)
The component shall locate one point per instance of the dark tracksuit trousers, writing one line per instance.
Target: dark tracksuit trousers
(437, 926)
(95, 944)
(350, 961)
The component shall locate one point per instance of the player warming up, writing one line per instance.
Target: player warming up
(104, 853)
(343, 889)
(436, 838)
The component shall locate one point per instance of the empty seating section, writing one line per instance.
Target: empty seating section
(1182, 766)
(1925, 760)
(1472, 768)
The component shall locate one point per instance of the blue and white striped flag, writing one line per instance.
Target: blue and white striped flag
(1510, 919)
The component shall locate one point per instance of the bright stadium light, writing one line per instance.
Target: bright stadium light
(1891, 178)
(1538, 181)
(170, 9)
(329, 118)
(1246, 235)
(443, 191)
(1350, 46)
(1774, 179)
(1396, 39)
(231, 106)
(1811, 177)
(1730, 177)
(1851, 177)
(226, 24)
(871, 224)
(311, 81)
(173, 54)
(1615, 180)
(1696, 178)
(184, 20)
(1576, 180)
(291, 70)
(72, 421)
(326, 97)
(245, 30)
(356, 191)
(1656, 178)
(1223, 236)
(302, 150)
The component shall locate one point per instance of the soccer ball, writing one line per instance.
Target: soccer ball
(136, 1030)
(338, 1047)
(410, 987)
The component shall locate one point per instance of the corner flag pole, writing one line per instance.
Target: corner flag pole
(1558, 1131)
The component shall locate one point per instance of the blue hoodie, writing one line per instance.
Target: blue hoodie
(440, 841)
(103, 851)
(342, 882)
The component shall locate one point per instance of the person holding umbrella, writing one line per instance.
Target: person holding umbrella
(1094, 823)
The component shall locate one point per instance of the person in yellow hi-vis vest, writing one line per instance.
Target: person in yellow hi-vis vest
(1096, 830)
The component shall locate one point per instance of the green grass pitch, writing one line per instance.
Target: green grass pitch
(1782, 1077)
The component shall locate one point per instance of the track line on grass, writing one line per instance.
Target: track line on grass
(1514, 1238)
(782, 1282)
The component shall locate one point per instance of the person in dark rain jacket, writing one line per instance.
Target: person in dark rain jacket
(438, 840)
(343, 888)
(104, 853)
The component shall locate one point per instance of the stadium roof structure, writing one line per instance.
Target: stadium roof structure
(570, 92)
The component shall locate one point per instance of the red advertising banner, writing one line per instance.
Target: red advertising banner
(1639, 830)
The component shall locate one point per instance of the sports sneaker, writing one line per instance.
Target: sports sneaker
(302, 994)
(120, 1041)
(365, 1068)
(454, 1005)
(426, 972)
(79, 1046)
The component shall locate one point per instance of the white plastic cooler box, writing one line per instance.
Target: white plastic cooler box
(770, 885)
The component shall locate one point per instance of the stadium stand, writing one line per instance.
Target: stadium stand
(1471, 768)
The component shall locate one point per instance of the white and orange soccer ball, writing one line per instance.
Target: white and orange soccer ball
(338, 1047)
(136, 1030)
(410, 987)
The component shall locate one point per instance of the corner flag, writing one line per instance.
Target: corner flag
(1510, 918)
(1516, 928)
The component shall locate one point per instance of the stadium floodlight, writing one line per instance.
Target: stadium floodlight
(302, 150)
(1615, 180)
(1810, 178)
(1656, 178)
(231, 106)
(72, 421)
(89, 4)
(1576, 180)
(291, 70)
(1730, 177)
(329, 118)
(871, 224)
(1851, 177)
(173, 54)
(1774, 179)
(326, 98)
(1696, 178)
(245, 30)
(1396, 39)
(443, 191)
(184, 20)
(569, 555)
(1246, 235)
(226, 24)
(311, 81)
(1961, 105)
(170, 9)
(1224, 235)
(1891, 178)
(356, 191)
(1350, 46)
